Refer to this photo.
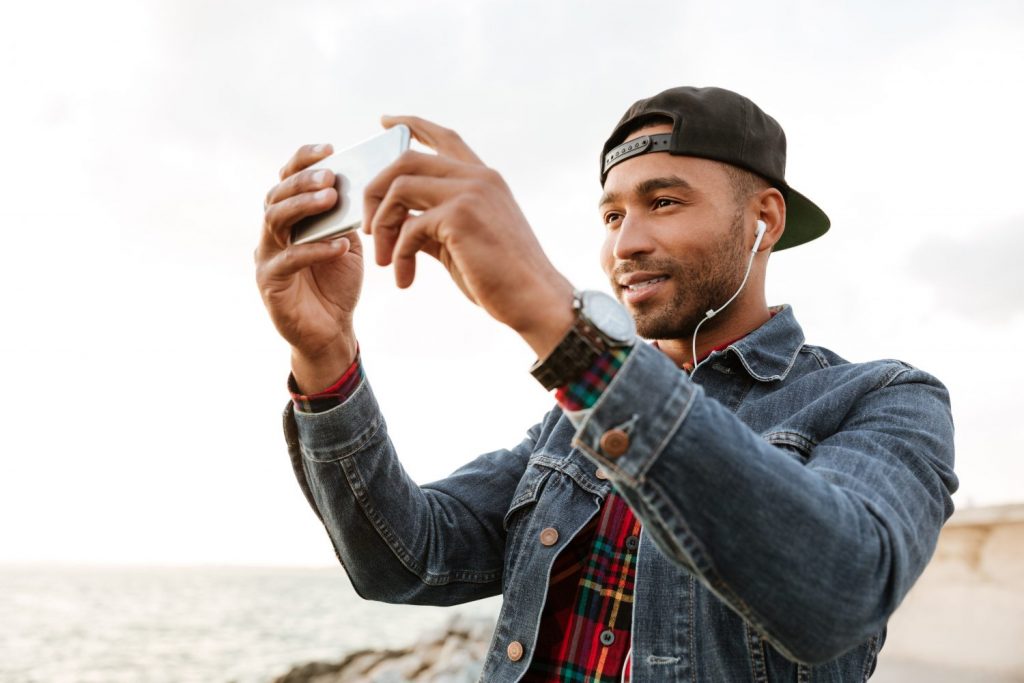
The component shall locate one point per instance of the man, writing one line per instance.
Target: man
(756, 517)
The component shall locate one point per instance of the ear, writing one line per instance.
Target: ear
(770, 207)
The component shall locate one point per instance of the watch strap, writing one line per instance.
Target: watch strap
(578, 350)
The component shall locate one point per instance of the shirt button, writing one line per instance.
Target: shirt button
(607, 637)
(632, 542)
(614, 442)
(549, 536)
(601, 474)
(515, 650)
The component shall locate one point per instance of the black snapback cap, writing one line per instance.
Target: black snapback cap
(718, 124)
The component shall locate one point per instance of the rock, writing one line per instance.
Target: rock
(964, 618)
(454, 654)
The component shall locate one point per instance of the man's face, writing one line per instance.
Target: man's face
(674, 244)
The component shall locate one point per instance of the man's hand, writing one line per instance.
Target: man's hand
(310, 290)
(468, 220)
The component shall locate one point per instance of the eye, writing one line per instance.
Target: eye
(662, 202)
(612, 217)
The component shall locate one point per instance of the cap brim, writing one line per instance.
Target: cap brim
(804, 221)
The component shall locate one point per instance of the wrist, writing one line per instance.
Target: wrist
(600, 324)
(314, 373)
(553, 318)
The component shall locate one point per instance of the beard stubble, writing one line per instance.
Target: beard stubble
(698, 287)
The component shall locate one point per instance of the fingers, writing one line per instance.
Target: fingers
(415, 182)
(444, 141)
(409, 164)
(301, 193)
(418, 234)
(408, 193)
(286, 263)
(310, 180)
(385, 237)
(282, 215)
(305, 156)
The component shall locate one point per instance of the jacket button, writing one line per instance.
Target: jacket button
(515, 650)
(614, 442)
(607, 637)
(601, 474)
(632, 542)
(549, 536)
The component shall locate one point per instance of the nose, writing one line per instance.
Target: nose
(632, 238)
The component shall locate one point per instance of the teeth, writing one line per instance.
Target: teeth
(645, 283)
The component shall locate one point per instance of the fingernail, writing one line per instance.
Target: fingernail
(322, 194)
(319, 148)
(319, 177)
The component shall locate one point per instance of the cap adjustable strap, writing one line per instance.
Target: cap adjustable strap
(637, 146)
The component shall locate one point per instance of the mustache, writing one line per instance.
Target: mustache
(651, 264)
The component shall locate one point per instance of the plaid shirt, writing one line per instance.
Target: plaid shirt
(585, 627)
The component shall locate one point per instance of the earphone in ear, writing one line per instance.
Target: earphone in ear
(761, 227)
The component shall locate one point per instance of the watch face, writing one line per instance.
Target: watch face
(608, 316)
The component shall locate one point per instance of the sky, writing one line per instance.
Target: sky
(143, 381)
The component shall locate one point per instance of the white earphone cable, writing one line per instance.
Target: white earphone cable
(712, 312)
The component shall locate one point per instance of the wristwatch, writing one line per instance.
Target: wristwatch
(601, 324)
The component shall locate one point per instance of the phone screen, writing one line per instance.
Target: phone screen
(353, 169)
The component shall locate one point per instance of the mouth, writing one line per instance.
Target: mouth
(641, 286)
(644, 284)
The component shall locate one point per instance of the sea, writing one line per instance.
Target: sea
(124, 624)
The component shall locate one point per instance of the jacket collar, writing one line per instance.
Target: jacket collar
(769, 352)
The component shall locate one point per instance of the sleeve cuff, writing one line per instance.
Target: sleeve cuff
(627, 429)
(331, 397)
(584, 392)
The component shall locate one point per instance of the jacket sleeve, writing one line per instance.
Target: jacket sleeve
(816, 555)
(440, 544)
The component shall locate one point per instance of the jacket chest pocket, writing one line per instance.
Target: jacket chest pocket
(518, 519)
(527, 494)
(795, 445)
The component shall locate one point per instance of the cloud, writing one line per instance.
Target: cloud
(981, 277)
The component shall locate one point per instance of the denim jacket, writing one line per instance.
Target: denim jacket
(789, 500)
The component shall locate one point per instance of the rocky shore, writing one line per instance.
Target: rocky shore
(454, 654)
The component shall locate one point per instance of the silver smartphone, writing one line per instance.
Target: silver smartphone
(353, 169)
